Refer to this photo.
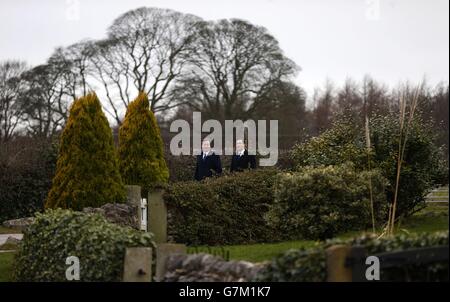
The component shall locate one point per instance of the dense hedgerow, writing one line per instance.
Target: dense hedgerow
(27, 166)
(58, 234)
(87, 173)
(320, 202)
(422, 166)
(224, 210)
(309, 265)
(141, 157)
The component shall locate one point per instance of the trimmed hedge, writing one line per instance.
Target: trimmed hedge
(224, 210)
(309, 265)
(321, 202)
(58, 234)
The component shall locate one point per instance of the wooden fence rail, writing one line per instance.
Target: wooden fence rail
(349, 263)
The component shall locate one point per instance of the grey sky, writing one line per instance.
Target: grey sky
(402, 40)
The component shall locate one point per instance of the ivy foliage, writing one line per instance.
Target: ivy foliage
(57, 234)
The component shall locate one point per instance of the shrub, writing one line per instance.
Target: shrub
(309, 265)
(422, 166)
(27, 166)
(318, 203)
(224, 210)
(181, 168)
(141, 157)
(87, 173)
(58, 234)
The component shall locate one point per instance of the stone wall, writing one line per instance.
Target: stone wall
(19, 224)
(123, 214)
(208, 268)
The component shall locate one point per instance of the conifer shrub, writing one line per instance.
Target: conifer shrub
(141, 156)
(87, 171)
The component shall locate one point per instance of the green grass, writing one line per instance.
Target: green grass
(4, 230)
(6, 262)
(440, 194)
(8, 247)
(430, 219)
(255, 252)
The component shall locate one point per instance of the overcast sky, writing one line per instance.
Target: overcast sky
(392, 40)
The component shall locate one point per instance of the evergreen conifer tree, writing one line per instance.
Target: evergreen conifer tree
(87, 171)
(141, 156)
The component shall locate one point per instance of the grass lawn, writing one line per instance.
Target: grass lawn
(4, 230)
(6, 261)
(432, 218)
(441, 194)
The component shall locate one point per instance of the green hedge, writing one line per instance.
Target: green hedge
(309, 265)
(320, 202)
(27, 166)
(224, 210)
(58, 234)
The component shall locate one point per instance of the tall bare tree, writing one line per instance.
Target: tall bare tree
(11, 85)
(46, 98)
(146, 50)
(234, 63)
(324, 108)
(74, 66)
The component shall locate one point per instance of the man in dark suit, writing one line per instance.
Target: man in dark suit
(242, 160)
(207, 162)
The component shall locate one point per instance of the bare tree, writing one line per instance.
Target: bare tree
(46, 97)
(74, 66)
(286, 103)
(11, 85)
(234, 63)
(324, 104)
(146, 50)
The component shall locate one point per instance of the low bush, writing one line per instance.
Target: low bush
(309, 265)
(58, 234)
(320, 202)
(423, 164)
(224, 210)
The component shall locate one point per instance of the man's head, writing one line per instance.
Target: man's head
(206, 146)
(240, 145)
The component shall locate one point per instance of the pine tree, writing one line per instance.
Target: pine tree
(141, 157)
(87, 172)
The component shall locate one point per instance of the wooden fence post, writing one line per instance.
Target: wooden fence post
(137, 265)
(163, 250)
(157, 216)
(134, 198)
(336, 264)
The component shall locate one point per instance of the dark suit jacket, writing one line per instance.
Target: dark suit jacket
(205, 166)
(243, 162)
